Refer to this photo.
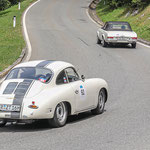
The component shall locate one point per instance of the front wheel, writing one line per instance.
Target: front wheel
(2, 122)
(101, 103)
(60, 116)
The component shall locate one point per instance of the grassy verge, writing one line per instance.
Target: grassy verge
(11, 39)
(140, 23)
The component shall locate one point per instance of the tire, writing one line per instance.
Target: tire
(60, 116)
(125, 44)
(2, 123)
(104, 43)
(101, 103)
(98, 40)
(133, 45)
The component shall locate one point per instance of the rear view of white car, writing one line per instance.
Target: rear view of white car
(50, 90)
(116, 32)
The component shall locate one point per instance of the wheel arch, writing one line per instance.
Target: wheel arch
(103, 36)
(68, 107)
(106, 92)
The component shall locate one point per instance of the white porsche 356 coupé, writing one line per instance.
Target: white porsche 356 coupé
(116, 32)
(49, 90)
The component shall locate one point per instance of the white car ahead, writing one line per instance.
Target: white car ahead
(116, 32)
(49, 90)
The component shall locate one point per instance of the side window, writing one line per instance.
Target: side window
(61, 78)
(72, 75)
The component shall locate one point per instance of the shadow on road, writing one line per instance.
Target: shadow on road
(119, 46)
(36, 126)
(79, 117)
(43, 125)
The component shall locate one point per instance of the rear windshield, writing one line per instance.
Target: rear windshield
(118, 27)
(35, 73)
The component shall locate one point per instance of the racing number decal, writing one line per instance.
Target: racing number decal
(82, 92)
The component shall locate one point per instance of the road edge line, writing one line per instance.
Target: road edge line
(25, 31)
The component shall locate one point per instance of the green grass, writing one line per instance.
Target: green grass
(140, 23)
(11, 39)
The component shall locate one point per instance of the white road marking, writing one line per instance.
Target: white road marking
(26, 32)
(92, 19)
(143, 44)
(101, 26)
(26, 35)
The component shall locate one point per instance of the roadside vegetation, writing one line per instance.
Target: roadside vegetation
(136, 12)
(11, 39)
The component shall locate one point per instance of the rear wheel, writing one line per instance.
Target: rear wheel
(60, 116)
(2, 122)
(133, 45)
(104, 43)
(101, 103)
(98, 40)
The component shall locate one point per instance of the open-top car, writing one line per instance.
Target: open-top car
(49, 90)
(116, 32)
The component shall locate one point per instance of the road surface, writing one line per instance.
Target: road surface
(61, 30)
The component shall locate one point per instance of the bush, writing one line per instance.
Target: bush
(4, 4)
(13, 2)
(132, 3)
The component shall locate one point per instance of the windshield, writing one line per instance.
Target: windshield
(119, 26)
(35, 73)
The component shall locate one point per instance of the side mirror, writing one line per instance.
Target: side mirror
(82, 77)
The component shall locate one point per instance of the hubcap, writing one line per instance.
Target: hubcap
(61, 112)
(2, 122)
(101, 100)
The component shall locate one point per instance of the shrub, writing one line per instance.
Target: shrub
(132, 3)
(4, 4)
(13, 2)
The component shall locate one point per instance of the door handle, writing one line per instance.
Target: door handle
(76, 91)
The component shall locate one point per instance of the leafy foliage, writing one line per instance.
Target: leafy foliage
(13, 2)
(4, 4)
(133, 3)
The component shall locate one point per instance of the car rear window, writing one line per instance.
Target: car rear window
(118, 27)
(35, 73)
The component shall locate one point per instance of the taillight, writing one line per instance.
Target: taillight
(110, 37)
(33, 106)
(134, 38)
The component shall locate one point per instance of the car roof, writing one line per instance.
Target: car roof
(50, 64)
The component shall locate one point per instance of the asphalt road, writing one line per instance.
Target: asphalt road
(61, 30)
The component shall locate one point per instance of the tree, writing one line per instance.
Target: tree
(4, 4)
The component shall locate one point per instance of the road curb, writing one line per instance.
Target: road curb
(93, 15)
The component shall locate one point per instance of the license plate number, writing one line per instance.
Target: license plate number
(4, 107)
(122, 38)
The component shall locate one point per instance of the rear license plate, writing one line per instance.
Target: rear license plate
(4, 107)
(122, 38)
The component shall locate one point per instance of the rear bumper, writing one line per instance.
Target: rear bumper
(120, 42)
(28, 114)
